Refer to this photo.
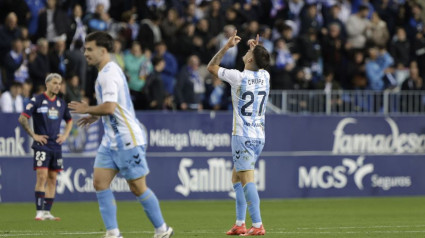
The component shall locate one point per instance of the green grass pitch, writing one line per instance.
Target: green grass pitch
(340, 217)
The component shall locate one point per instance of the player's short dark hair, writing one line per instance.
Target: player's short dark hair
(102, 39)
(261, 56)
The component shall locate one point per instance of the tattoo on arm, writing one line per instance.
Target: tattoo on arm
(217, 57)
(25, 124)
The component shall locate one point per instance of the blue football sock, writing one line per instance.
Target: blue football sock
(108, 208)
(253, 201)
(240, 202)
(151, 206)
(39, 200)
(48, 203)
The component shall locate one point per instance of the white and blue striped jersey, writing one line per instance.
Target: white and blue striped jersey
(122, 129)
(250, 91)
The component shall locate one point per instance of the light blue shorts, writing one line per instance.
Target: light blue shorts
(245, 152)
(131, 163)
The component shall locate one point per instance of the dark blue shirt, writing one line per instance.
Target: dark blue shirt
(47, 114)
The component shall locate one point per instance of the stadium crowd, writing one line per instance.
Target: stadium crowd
(163, 46)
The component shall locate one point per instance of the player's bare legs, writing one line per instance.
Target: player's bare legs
(50, 195)
(102, 179)
(239, 227)
(40, 189)
(253, 201)
(150, 205)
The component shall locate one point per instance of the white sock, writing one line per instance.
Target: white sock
(257, 224)
(114, 232)
(239, 223)
(161, 229)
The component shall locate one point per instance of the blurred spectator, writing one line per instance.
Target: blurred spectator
(283, 66)
(419, 52)
(387, 11)
(76, 63)
(133, 61)
(73, 89)
(169, 73)
(215, 18)
(400, 51)
(310, 50)
(356, 72)
(414, 81)
(117, 55)
(129, 29)
(98, 20)
(252, 9)
(16, 64)
(229, 59)
(377, 67)
(379, 34)
(265, 38)
(216, 94)
(184, 46)
(57, 59)
(78, 30)
(146, 66)
(35, 7)
(153, 90)
(328, 84)
(412, 102)
(357, 26)
(190, 86)
(414, 23)
(91, 5)
(311, 19)
(12, 101)
(334, 18)
(52, 22)
(19, 7)
(335, 46)
(150, 33)
(232, 17)
(170, 26)
(203, 36)
(26, 92)
(294, 13)
(8, 33)
(38, 64)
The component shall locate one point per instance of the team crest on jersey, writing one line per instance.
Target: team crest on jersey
(29, 106)
(53, 113)
(58, 103)
(44, 102)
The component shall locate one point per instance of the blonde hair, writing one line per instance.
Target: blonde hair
(51, 76)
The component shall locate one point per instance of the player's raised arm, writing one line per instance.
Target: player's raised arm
(213, 65)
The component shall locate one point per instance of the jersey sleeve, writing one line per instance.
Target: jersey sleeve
(30, 108)
(67, 115)
(109, 88)
(232, 76)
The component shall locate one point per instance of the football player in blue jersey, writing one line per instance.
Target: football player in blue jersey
(123, 147)
(250, 90)
(47, 111)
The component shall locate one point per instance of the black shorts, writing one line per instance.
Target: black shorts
(51, 160)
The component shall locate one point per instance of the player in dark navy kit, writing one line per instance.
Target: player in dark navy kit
(47, 111)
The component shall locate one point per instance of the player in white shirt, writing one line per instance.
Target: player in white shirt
(123, 146)
(250, 91)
